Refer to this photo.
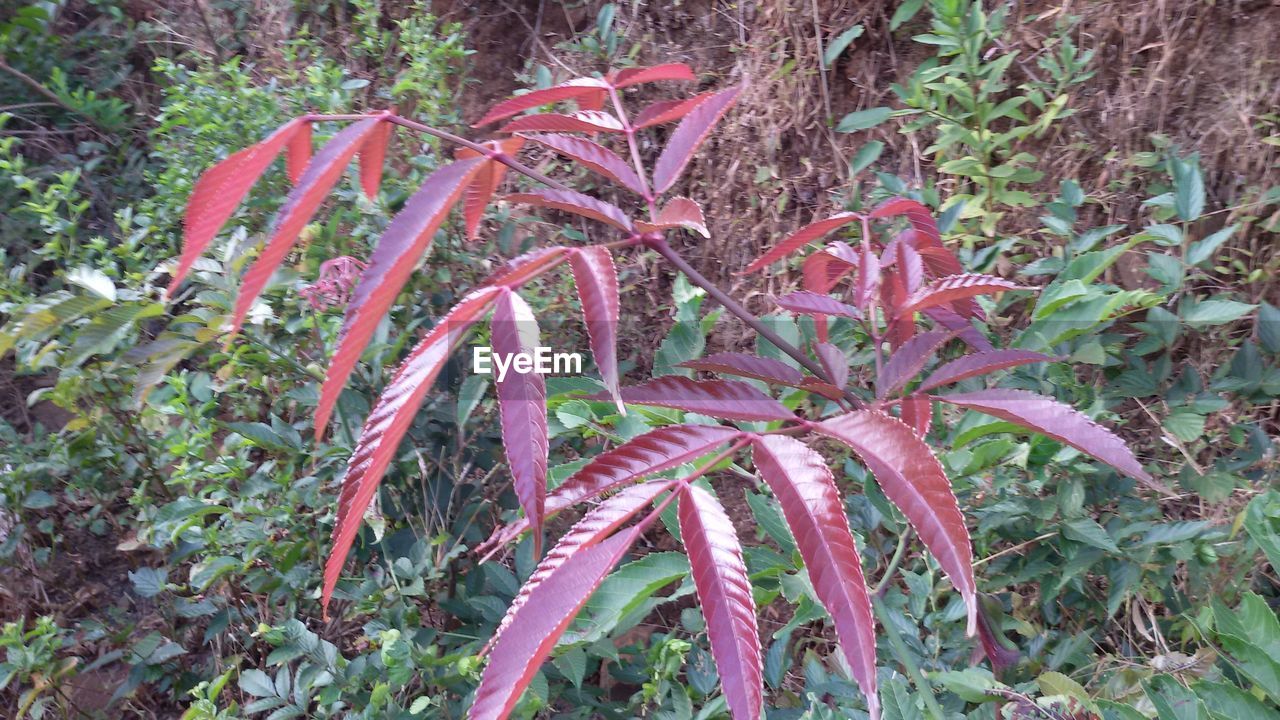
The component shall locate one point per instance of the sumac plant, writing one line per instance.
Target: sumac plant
(904, 287)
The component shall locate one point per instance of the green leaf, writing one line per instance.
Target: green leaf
(907, 9)
(1117, 711)
(38, 500)
(866, 155)
(864, 119)
(1163, 234)
(627, 596)
(148, 582)
(896, 701)
(1188, 188)
(1227, 702)
(1203, 250)
(1088, 531)
(260, 434)
(470, 395)
(839, 44)
(1173, 701)
(1269, 327)
(769, 518)
(1185, 425)
(1254, 663)
(1262, 522)
(95, 281)
(1055, 683)
(257, 683)
(972, 685)
(1213, 312)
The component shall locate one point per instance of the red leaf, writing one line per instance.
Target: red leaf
(597, 282)
(964, 329)
(1056, 420)
(577, 87)
(938, 260)
(298, 153)
(373, 155)
(534, 630)
(594, 157)
(956, 287)
(652, 452)
(403, 243)
(724, 592)
(522, 405)
(815, 513)
(804, 302)
(908, 360)
(981, 364)
(917, 412)
(669, 71)
(800, 238)
(519, 270)
(730, 399)
(302, 202)
(576, 203)
(220, 189)
(823, 269)
(835, 363)
(581, 121)
(901, 251)
(388, 421)
(487, 181)
(750, 366)
(913, 479)
(688, 135)
(597, 525)
(665, 111)
(893, 292)
(679, 212)
(994, 644)
(823, 388)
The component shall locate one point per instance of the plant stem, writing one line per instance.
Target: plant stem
(668, 253)
(903, 538)
(903, 654)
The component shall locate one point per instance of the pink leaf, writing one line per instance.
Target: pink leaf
(403, 243)
(823, 269)
(372, 156)
(597, 282)
(581, 121)
(679, 212)
(804, 302)
(519, 270)
(868, 277)
(298, 153)
(534, 629)
(576, 203)
(964, 329)
(815, 513)
(729, 399)
(1056, 420)
(750, 366)
(835, 363)
(652, 452)
(522, 405)
(594, 157)
(669, 71)
(597, 525)
(575, 88)
(913, 479)
(389, 420)
(221, 188)
(724, 592)
(302, 202)
(956, 287)
(981, 364)
(908, 360)
(688, 135)
(487, 181)
(665, 111)
(917, 412)
(800, 238)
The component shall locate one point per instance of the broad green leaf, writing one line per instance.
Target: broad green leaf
(1203, 250)
(906, 10)
(1173, 701)
(1188, 188)
(864, 119)
(627, 595)
(1213, 312)
(1088, 531)
(95, 281)
(1227, 702)
(866, 155)
(1262, 522)
(972, 685)
(1055, 683)
(1163, 234)
(257, 683)
(1185, 425)
(1269, 327)
(896, 701)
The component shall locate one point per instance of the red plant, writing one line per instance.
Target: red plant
(889, 286)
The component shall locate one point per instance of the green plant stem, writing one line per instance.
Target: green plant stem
(903, 538)
(903, 654)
